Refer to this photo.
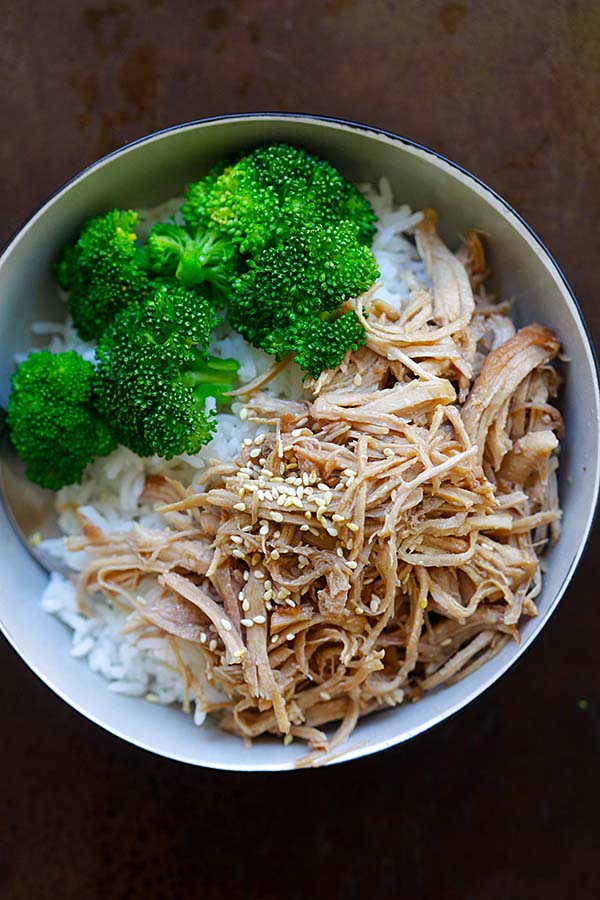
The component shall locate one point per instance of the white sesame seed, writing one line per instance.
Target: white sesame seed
(246, 575)
(446, 642)
(261, 495)
(324, 695)
(275, 554)
(240, 506)
(327, 498)
(308, 514)
(388, 451)
(268, 584)
(349, 543)
(288, 448)
(259, 439)
(236, 539)
(288, 501)
(246, 442)
(290, 636)
(247, 623)
(243, 413)
(259, 620)
(313, 477)
(297, 432)
(357, 380)
(275, 638)
(243, 476)
(304, 527)
(267, 473)
(277, 517)
(245, 605)
(258, 574)
(212, 646)
(264, 529)
(269, 595)
(322, 486)
(350, 479)
(277, 534)
(348, 472)
(226, 624)
(305, 478)
(203, 638)
(281, 500)
(353, 526)
(352, 564)
(269, 496)
(339, 551)
(337, 518)
(333, 532)
(290, 602)
(239, 554)
(254, 454)
(359, 610)
(374, 603)
(240, 596)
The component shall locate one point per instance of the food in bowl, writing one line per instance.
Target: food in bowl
(363, 521)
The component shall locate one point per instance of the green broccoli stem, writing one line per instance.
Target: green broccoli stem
(210, 376)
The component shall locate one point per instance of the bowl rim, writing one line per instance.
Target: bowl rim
(356, 751)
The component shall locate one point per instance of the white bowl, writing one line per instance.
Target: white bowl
(155, 168)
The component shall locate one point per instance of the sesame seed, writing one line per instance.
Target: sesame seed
(239, 653)
(243, 476)
(240, 506)
(269, 595)
(262, 461)
(254, 454)
(269, 496)
(246, 575)
(350, 479)
(212, 646)
(353, 526)
(297, 432)
(258, 574)
(246, 442)
(268, 584)
(259, 439)
(226, 624)
(275, 554)
(312, 477)
(314, 531)
(388, 451)
(277, 478)
(247, 623)
(275, 638)
(308, 514)
(446, 642)
(255, 558)
(290, 602)
(277, 517)
(240, 596)
(281, 500)
(327, 498)
(322, 486)
(374, 603)
(264, 529)
(348, 472)
(239, 554)
(247, 528)
(236, 539)
(243, 413)
(359, 610)
(350, 544)
(305, 478)
(304, 527)
(288, 448)
(423, 604)
(261, 495)
(333, 532)
(245, 605)
(324, 695)
(203, 638)
(267, 473)
(352, 564)
(290, 636)
(259, 620)
(339, 551)
(277, 534)
(288, 501)
(357, 380)
(337, 518)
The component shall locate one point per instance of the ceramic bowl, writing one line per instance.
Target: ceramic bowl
(157, 167)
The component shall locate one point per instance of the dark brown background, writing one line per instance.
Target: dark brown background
(499, 803)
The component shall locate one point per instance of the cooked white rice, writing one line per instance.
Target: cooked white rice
(110, 493)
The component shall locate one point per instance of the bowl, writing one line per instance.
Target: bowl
(156, 167)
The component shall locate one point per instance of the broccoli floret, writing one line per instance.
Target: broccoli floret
(54, 427)
(290, 297)
(103, 271)
(264, 196)
(206, 262)
(154, 373)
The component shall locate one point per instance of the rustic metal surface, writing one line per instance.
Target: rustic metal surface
(499, 803)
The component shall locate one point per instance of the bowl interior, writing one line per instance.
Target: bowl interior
(157, 168)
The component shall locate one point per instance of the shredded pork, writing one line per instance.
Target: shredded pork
(373, 543)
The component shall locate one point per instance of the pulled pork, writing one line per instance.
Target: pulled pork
(374, 542)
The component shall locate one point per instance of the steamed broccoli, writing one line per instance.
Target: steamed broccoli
(262, 197)
(53, 425)
(154, 373)
(290, 297)
(103, 271)
(206, 261)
